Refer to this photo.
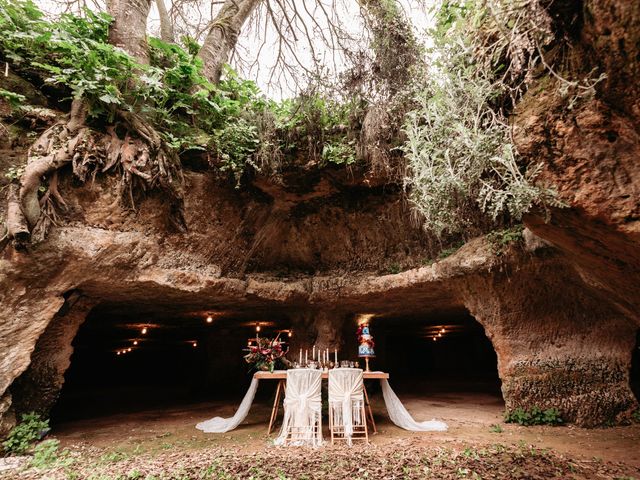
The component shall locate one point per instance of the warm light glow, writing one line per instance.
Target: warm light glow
(363, 318)
(118, 352)
(258, 328)
(129, 349)
(439, 334)
(434, 339)
(442, 330)
(144, 330)
(135, 342)
(195, 344)
(290, 333)
(209, 319)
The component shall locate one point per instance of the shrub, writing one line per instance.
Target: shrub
(499, 240)
(462, 163)
(534, 416)
(31, 428)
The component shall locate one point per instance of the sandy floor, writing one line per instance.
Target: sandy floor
(469, 416)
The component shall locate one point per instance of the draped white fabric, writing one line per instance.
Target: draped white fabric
(346, 397)
(302, 422)
(403, 419)
(221, 425)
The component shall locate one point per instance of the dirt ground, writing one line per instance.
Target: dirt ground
(470, 417)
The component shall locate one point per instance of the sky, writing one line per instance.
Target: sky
(255, 61)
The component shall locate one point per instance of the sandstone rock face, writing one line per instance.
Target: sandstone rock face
(317, 248)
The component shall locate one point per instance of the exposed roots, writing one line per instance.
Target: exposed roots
(140, 155)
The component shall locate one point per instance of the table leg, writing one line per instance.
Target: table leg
(366, 401)
(276, 404)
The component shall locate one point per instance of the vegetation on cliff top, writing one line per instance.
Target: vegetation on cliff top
(460, 168)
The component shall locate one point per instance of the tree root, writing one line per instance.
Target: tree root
(141, 155)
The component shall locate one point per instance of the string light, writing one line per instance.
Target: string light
(442, 330)
(118, 352)
(129, 349)
(209, 319)
(144, 330)
(434, 339)
(135, 342)
(257, 327)
(290, 333)
(195, 344)
(439, 334)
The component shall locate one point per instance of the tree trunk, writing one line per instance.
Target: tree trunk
(166, 27)
(223, 35)
(129, 27)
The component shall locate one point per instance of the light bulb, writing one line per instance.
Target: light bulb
(135, 342)
(118, 352)
(195, 344)
(209, 319)
(439, 334)
(129, 349)
(144, 330)
(442, 330)
(290, 334)
(257, 328)
(434, 339)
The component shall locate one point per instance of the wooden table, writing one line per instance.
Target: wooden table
(281, 376)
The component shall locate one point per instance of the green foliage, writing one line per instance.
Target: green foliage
(13, 99)
(23, 435)
(636, 416)
(534, 416)
(459, 151)
(500, 240)
(47, 454)
(496, 428)
(230, 119)
(14, 172)
(394, 269)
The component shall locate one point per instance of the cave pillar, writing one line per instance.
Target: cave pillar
(559, 344)
(38, 388)
(322, 328)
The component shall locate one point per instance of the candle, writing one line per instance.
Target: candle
(300, 356)
(336, 357)
(313, 353)
(326, 357)
(306, 357)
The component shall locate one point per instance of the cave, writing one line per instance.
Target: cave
(635, 368)
(438, 352)
(128, 359)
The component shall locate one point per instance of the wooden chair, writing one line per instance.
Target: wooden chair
(302, 422)
(347, 415)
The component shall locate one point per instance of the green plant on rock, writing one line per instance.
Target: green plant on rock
(15, 100)
(500, 240)
(462, 163)
(21, 438)
(533, 416)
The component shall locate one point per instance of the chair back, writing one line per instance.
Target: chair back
(346, 396)
(302, 423)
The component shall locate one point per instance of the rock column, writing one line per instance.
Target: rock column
(559, 344)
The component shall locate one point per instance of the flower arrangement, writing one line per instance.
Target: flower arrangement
(267, 354)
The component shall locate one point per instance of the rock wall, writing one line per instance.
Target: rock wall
(559, 343)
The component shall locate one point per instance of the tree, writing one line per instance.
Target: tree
(166, 25)
(129, 27)
(223, 35)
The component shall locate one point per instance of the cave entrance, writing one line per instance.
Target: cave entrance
(443, 358)
(634, 379)
(126, 362)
